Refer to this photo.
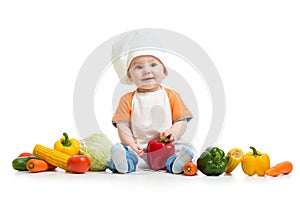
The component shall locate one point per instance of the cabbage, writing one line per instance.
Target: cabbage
(97, 148)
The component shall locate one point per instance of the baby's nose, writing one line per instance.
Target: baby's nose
(146, 69)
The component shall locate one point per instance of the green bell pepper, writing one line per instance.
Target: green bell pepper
(212, 162)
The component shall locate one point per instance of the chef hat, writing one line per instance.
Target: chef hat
(131, 45)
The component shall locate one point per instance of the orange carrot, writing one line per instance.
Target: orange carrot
(280, 168)
(190, 169)
(37, 165)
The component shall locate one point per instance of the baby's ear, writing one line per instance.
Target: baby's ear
(128, 76)
(165, 70)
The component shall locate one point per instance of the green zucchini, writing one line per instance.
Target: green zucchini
(20, 162)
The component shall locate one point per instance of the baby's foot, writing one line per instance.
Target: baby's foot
(185, 155)
(118, 156)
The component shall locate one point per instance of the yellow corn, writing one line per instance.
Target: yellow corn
(234, 156)
(52, 156)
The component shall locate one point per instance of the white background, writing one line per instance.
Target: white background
(254, 45)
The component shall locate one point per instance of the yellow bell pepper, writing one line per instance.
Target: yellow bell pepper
(67, 145)
(255, 163)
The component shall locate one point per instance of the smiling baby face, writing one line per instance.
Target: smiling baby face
(147, 73)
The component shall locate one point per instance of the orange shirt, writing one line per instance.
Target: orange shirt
(178, 109)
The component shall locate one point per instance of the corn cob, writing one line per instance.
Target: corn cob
(234, 156)
(52, 156)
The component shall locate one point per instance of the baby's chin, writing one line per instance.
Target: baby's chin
(149, 88)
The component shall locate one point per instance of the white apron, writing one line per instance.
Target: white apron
(151, 114)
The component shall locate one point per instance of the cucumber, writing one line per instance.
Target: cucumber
(20, 162)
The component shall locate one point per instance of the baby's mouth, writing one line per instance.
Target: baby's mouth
(146, 79)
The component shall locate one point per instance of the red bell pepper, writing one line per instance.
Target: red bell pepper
(158, 152)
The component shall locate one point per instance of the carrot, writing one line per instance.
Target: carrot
(190, 169)
(280, 168)
(37, 165)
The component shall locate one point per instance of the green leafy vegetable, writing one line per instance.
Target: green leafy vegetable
(96, 147)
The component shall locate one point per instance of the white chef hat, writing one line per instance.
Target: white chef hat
(131, 45)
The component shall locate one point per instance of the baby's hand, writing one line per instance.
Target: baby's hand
(168, 134)
(137, 149)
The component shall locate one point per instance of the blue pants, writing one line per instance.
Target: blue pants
(132, 161)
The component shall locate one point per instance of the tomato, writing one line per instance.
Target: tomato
(25, 154)
(190, 169)
(79, 164)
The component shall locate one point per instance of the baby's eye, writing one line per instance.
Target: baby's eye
(138, 67)
(153, 64)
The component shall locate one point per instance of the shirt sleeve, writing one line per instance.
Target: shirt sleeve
(179, 110)
(122, 114)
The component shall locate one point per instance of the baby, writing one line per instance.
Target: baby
(150, 112)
